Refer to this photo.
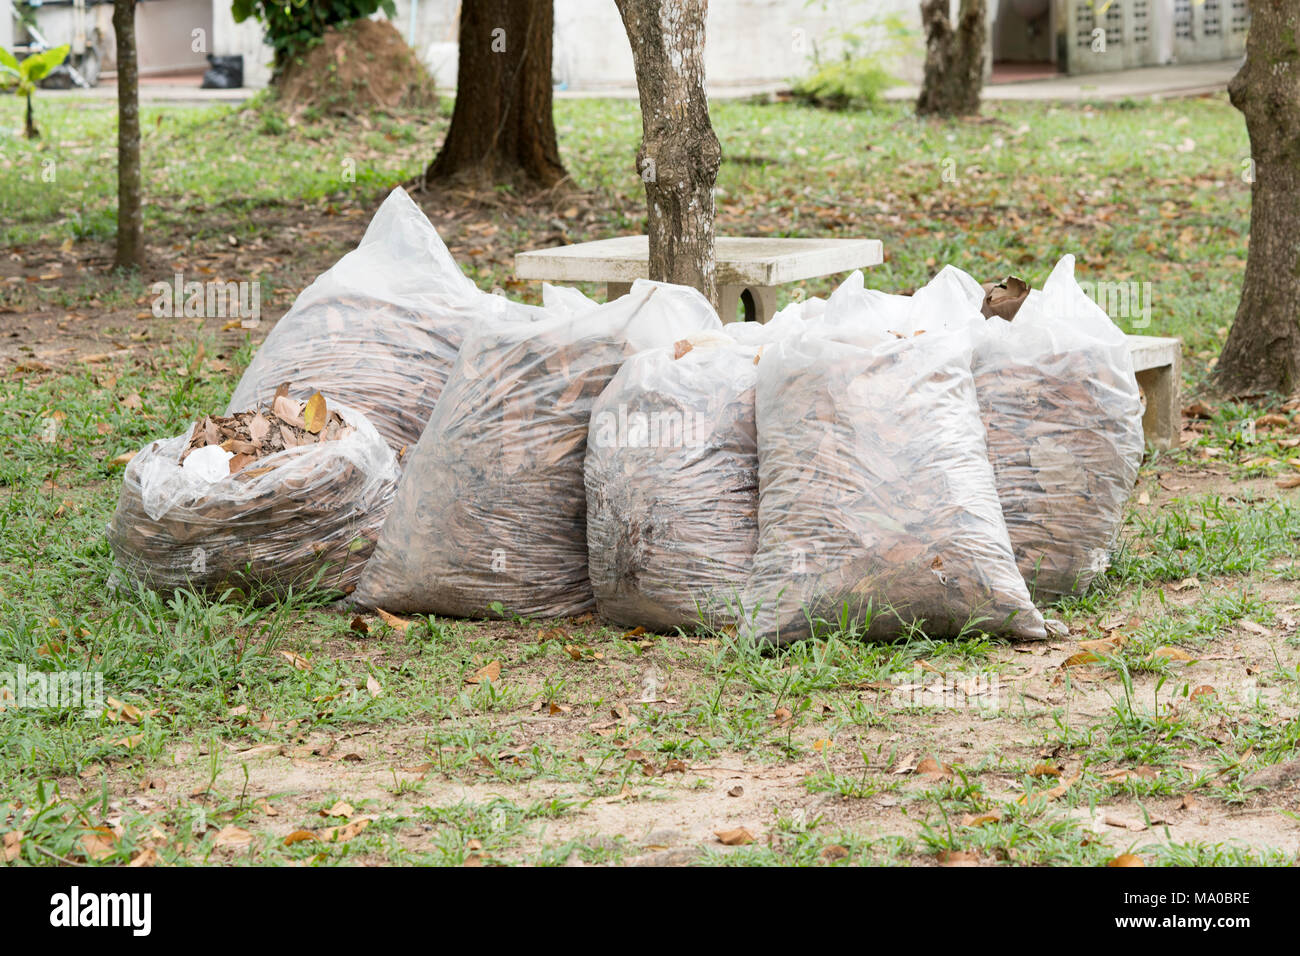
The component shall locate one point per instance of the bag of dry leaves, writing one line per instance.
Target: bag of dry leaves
(1064, 416)
(287, 496)
(1060, 404)
(672, 484)
(877, 507)
(490, 517)
(380, 330)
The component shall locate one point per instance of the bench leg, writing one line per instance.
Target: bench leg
(1162, 422)
(615, 290)
(759, 303)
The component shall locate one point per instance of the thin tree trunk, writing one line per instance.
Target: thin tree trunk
(1262, 353)
(130, 245)
(502, 127)
(954, 58)
(680, 154)
(31, 131)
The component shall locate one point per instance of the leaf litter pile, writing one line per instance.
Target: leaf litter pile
(288, 423)
(307, 492)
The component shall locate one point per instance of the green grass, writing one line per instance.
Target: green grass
(554, 738)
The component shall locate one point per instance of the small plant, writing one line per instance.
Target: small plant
(27, 74)
(861, 74)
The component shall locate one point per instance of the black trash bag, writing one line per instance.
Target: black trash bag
(224, 72)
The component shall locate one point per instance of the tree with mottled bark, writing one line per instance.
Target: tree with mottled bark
(1262, 353)
(679, 155)
(954, 58)
(130, 243)
(502, 128)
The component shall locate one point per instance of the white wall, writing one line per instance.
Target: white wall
(750, 42)
(6, 26)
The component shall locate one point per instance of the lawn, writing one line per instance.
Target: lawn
(297, 733)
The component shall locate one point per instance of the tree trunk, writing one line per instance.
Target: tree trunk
(680, 154)
(130, 246)
(502, 129)
(1262, 353)
(954, 59)
(31, 132)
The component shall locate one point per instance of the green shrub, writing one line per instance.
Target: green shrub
(293, 26)
(846, 85)
(857, 78)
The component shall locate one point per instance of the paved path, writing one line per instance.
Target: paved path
(1155, 81)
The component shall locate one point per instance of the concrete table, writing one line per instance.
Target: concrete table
(749, 270)
(1159, 366)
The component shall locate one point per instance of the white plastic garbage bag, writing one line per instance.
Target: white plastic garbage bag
(490, 517)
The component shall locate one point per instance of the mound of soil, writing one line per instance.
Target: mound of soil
(362, 65)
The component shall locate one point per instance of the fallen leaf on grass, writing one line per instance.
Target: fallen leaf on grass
(98, 843)
(398, 624)
(1127, 859)
(970, 820)
(13, 845)
(929, 767)
(232, 836)
(958, 858)
(832, 853)
(1185, 584)
(340, 809)
(1121, 823)
(298, 836)
(1045, 770)
(374, 687)
(1290, 481)
(1128, 773)
(1169, 654)
(1104, 645)
(489, 672)
(1203, 690)
(146, 857)
(297, 660)
(736, 791)
(737, 837)
(1049, 795)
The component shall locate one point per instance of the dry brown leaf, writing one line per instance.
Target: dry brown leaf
(13, 845)
(232, 836)
(340, 809)
(342, 834)
(298, 836)
(929, 767)
(488, 672)
(735, 837)
(98, 843)
(315, 414)
(398, 624)
(1127, 859)
(297, 660)
(1169, 654)
(993, 816)
(374, 687)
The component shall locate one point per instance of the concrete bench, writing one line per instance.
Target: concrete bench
(1158, 363)
(749, 270)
